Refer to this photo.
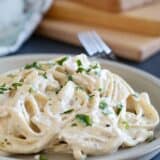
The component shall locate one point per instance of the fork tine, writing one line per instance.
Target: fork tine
(101, 43)
(93, 44)
(86, 41)
(99, 48)
(88, 36)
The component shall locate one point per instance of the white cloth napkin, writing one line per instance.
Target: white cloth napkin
(13, 35)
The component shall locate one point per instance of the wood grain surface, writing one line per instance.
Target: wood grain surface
(128, 45)
(144, 20)
(115, 5)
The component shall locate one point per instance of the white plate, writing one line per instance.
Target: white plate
(139, 80)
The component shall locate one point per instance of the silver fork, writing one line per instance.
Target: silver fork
(94, 45)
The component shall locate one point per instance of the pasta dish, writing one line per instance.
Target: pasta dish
(71, 105)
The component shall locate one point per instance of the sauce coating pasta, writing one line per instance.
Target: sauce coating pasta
(71, 105)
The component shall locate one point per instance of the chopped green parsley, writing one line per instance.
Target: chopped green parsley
(33, 65)
(95, 66)
(119, 109)
(91, 96)
(11, 75)
(70, 78)
(62, 60)
(16, 85)
(74, 124)
(80, 70)
(3, 88)
(84, 119)
(88, 70)
(79, 63)
(100, 89)
(58, 90)
(125, 124)
(31, 90)
(44, 75)
(68, 111)
(104, 107)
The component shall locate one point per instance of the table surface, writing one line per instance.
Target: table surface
(37, 44)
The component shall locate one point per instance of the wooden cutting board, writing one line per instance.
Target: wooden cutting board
(144, 20)
(115, 5)
(127, 45)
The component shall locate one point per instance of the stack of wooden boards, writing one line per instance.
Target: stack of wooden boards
(132, 34)
(115, 5)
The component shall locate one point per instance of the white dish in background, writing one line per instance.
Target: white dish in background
(15, 30)
(139, 80)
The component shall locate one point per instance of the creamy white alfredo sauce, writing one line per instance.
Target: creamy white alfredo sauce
(71, 105)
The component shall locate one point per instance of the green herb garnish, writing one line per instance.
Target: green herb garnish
(11, 75)
(95, 66)
(3, 88)
(88, 70)
(61, 61)
(44, 75)
(80, 70)
(31, 90)
(33, 65)
(68, 111)
(119, 109)
(103, 105)
(150, 139)
(79, 63)
(70, 78)
(21, 80)
(43, 157)
(84, 119)
(126, 125)
(58, 91)
(100, 89)
(16, 85)
(91, 96)
(74, 124)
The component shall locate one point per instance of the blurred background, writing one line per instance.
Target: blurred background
(131, 28)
